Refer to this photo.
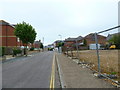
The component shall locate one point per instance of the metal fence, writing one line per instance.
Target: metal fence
(104, 57)
(110, 36)
(112, 61)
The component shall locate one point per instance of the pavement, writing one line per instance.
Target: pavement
(28, 72)
(74, 76)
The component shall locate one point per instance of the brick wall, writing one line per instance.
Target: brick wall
(91, 39)
(69, 43)
(8, 39)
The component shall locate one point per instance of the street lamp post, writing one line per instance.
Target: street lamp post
(60, 48)
(60, 36)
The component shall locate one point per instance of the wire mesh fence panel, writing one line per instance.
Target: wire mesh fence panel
(108, 57)
(100, 51)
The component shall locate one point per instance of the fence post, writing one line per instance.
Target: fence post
(77, 48)
(71, 52)
(97, 52)
(67, 51)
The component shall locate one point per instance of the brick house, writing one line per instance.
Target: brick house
(80, 41)
(71, 42)
(8, 38)
(36, 44)
(90, 39)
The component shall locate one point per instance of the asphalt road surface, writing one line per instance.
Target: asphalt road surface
(28, 72)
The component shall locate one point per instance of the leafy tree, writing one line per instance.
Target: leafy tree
(41, 45)
(60, 44)
(115, 40)
(26, 33)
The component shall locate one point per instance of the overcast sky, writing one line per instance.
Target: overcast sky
(69, 18)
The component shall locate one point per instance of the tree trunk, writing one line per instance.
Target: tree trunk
(26, 51)
(67, 51)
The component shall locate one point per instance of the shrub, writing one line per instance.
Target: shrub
(50, 49)
(17, 51)
(32, 48)
(2, 51)
(113, 73)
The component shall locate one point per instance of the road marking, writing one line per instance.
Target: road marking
(52, 81)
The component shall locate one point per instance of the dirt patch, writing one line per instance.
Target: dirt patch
(108, 59)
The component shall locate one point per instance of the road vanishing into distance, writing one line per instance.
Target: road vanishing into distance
(28, 72)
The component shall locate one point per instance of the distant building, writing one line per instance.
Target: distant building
(71, 42)
(90, 39)
(55, 44)
(37, 44)
(84, 42)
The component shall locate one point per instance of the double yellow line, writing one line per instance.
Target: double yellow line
(52, 81)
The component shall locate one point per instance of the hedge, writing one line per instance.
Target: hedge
(32, 48)
(2, 51)
(17, 51)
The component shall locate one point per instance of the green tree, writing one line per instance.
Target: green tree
(26, 33)
(60, 44)
(115, 40)
(41, 45)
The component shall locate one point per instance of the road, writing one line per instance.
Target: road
(28, 72)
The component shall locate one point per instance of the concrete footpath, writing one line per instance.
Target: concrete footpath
(74, 76)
